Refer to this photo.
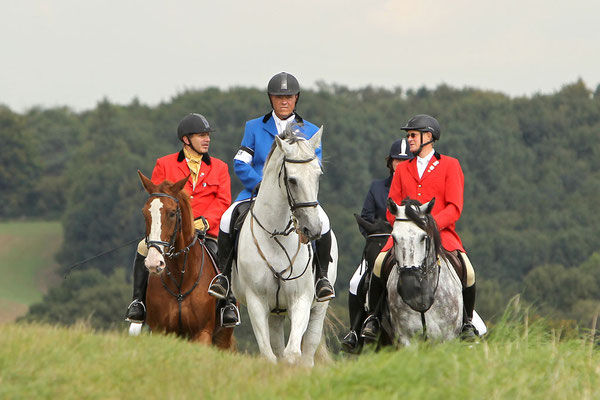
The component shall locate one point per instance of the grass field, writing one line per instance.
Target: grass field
(515, 362)
(27, 264)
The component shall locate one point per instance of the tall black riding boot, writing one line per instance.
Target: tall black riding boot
(136, 311)
(468, 329)
(323, 288)
(372, 324)
(220, 286)
(355, 308)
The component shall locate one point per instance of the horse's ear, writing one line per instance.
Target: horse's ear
(148, 185)
(179, 185)
(427, 207)
(392, 206)
(283, 145)
(315, 140)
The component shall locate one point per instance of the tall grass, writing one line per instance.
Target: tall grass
(519, 360)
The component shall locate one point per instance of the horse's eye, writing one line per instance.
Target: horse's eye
(293, 181)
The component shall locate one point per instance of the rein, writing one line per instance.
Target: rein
(286, 231)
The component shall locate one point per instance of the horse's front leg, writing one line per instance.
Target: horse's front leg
(203, 337)
(313, 334)
(259, 317)
(299, 313)
(277, 334)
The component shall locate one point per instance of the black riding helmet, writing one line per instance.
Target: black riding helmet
(423, 123)
(283, 84)
(193, 123)
(399, 150)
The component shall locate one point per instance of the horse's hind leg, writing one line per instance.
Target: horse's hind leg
(276, 334)
(313, 334)
(259, 316)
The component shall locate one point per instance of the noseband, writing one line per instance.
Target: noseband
(292, 203)
(171, 243)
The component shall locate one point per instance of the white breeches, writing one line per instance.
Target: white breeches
(226, 218)
(358, 274)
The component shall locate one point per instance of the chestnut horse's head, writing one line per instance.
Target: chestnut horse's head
(164, 220)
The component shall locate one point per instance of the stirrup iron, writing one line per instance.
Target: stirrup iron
(237, 313)
(215, 294)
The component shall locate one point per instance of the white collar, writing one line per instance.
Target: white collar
(425, 160)
(282, 123)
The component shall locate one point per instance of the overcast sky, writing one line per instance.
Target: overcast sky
(76, 52)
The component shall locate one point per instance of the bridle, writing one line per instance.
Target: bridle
(430, 261)
(171, 243)
(171, 254)
(430, 258)
(292, 203)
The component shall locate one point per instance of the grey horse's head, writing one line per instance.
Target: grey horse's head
(415, 233)
(300, 173)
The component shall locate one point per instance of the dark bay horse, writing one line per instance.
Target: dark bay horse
(378, 233)
(181, 269)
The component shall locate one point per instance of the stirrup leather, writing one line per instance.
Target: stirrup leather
(237, 313)
(215, 294)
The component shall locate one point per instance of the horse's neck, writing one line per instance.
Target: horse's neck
(271, 205)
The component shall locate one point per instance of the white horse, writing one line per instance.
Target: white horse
(424, 291)
(274, 273)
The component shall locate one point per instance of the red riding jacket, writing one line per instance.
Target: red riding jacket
(443, 179)
(212, 194)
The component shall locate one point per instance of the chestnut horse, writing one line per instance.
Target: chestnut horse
(181, 269)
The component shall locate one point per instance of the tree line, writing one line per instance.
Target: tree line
(531, 165)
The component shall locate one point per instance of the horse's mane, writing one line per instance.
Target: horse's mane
(423, 221)
(291, 134)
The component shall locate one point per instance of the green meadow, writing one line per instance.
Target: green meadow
(516, 361)
(27, 265)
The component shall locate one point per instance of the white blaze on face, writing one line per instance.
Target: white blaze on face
(154, 258)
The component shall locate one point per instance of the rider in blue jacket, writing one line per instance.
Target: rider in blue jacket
(283, 91)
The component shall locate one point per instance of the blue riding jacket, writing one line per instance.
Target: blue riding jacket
(259, 136)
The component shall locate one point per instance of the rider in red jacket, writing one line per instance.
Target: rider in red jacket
(429, 175)
(208, 187)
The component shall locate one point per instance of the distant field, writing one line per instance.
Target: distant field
(516, 362)
(27, 266)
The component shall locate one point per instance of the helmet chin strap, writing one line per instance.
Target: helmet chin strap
(416, 153)
(192, 146)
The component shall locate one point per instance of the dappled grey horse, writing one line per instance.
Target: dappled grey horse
(424, 292)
